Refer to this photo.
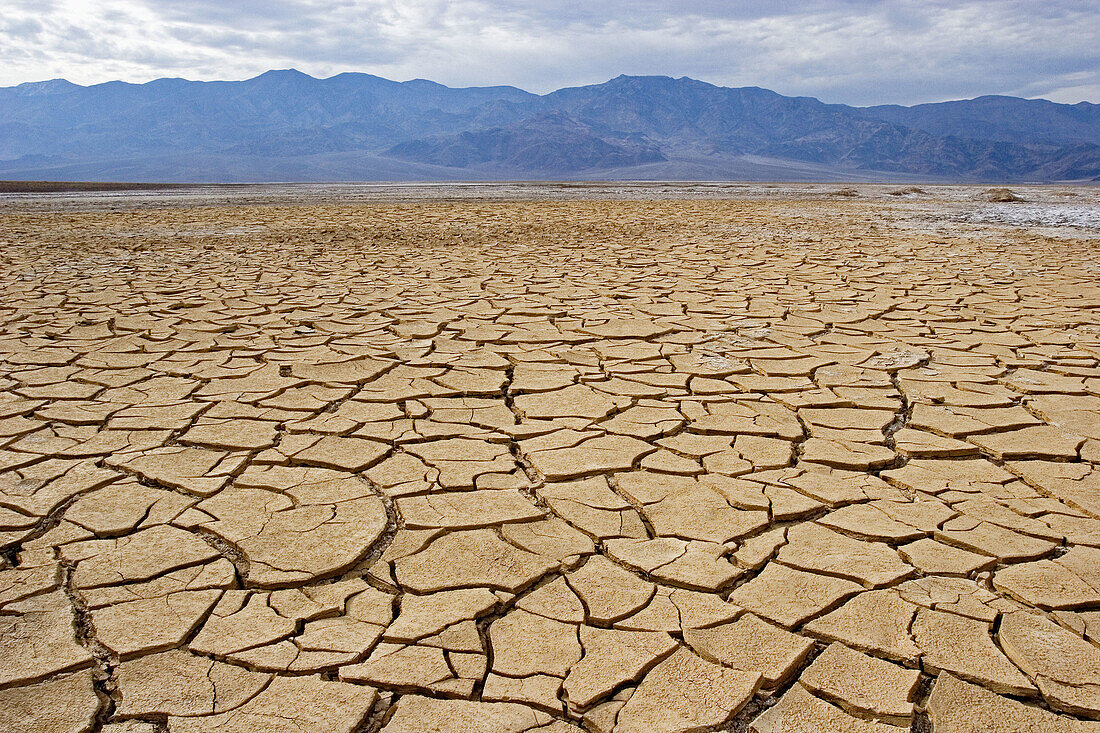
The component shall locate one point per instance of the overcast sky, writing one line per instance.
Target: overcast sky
(853, 51)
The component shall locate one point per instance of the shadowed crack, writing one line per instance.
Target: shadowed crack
(104, 662)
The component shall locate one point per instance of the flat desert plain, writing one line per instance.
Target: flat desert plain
(627, 459)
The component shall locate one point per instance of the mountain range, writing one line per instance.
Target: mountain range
(288, 126)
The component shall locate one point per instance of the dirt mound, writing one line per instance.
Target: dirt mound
(1000, 195)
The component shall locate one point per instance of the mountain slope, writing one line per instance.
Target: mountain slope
(274, 111)
(551, 142)
(285, 125)
(1000, 119)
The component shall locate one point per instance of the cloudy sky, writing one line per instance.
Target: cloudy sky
(853, 51)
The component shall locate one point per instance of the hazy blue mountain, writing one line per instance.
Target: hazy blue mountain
(286, 125)
(1002, 119)
(550, 142)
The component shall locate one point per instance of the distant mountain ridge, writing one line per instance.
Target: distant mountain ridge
(286, 125)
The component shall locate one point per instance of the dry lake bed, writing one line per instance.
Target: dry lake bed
(626, 458)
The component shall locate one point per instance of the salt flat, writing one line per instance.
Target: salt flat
(626, 458)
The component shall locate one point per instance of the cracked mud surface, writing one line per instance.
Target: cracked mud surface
(623, 466)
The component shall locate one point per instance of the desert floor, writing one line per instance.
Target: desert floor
(626, 458)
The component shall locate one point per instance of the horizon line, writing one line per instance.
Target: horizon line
(525, 91)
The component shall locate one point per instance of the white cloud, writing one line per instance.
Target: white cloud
(855, 51)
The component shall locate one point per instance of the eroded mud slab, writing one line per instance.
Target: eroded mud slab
(785, 463)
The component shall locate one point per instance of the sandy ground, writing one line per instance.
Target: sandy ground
(510, 459)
